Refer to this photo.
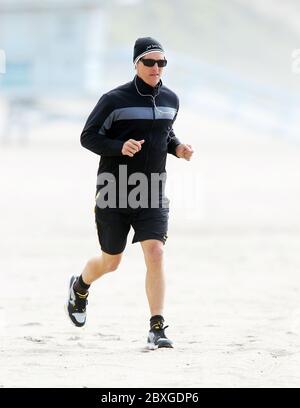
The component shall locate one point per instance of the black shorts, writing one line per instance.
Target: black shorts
(113, 225)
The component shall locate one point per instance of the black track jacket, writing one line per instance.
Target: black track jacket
(123, 114)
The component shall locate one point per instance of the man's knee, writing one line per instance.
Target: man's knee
(154, 251)
(111, 262)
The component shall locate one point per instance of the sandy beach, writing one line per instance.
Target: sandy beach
(232, 262)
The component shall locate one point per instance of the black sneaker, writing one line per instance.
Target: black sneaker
(76, 305)
(157, 337)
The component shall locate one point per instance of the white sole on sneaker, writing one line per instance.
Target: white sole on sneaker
(67, 303)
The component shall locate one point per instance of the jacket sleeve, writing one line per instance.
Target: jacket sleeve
(95, 136)
(173, 141)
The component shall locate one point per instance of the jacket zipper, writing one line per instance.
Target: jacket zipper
(150, 133)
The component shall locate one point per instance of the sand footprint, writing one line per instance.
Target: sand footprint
(35, 339)
(30, 324)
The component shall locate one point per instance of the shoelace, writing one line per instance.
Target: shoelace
(159, 328)
(81, 301)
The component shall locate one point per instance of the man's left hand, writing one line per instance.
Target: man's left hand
(184, 151)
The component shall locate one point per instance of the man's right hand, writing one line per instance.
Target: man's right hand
(131, 147)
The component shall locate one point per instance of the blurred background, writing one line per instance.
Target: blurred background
(227, 59)
(235, 66)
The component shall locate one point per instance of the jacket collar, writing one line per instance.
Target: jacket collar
(145, 88)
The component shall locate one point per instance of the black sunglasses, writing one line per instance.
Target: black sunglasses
(148, 62)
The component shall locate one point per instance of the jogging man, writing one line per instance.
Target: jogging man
(131, 129)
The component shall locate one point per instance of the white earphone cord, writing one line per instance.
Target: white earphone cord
(151, 96)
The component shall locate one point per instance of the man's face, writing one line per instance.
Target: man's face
(150, 75)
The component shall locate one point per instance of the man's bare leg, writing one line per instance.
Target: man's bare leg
(78, 289)
(155, 290)
(99, 265)
(155, 278)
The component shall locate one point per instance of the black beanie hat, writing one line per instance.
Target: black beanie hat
(144, 46)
